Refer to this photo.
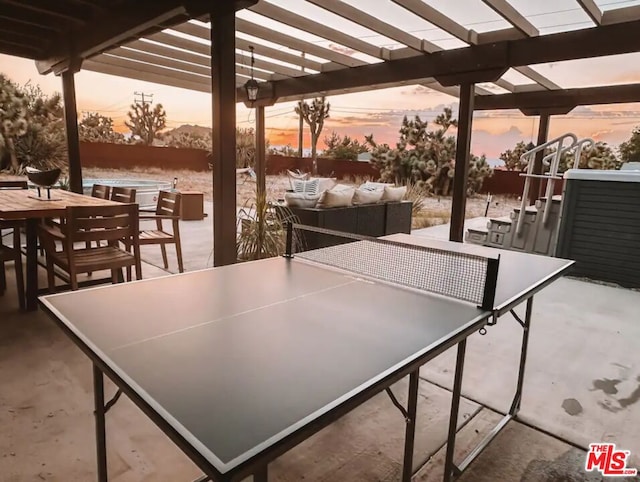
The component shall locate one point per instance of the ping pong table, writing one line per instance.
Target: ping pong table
(238, 364)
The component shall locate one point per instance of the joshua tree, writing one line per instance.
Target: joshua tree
(630, 150)
(511, 158)
(426, 158)
(145, 122)
(314, 115)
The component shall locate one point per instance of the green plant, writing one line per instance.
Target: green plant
(630, 149)
(262, 230)
(512, 159)
(426, 157)
(600, 156)
(338, 147)
(416, 194)
(13, 120)
(43, 147)
(63, 183)
(96, 127)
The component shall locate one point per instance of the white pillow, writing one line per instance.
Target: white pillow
(293, 176)
(394, 193)
(301, 199)
(374, 186)
(366, 196)
(326, 183)
(336, 188)
(309, 187)
(335, 198)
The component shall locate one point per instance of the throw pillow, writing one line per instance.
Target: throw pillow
(335, 198)
(375, 186)
(394, 193)
(336, 188)
(309, 187)
(365, 196)
(293, 176)
(301, 199)
(326, 183)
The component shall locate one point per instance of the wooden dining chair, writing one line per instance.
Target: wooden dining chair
(167, 209)
(12, 253)
(100, 191)
(123, 194)
(111, 224)
(12, 224)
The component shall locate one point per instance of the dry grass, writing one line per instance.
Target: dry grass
(433, 211)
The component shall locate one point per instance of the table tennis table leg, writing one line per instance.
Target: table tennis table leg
(101, 436)
(410, 429)
(450, 470)
(526, 324)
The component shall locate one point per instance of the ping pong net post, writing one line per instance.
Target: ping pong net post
(451, 273)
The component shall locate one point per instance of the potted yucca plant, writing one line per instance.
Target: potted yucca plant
(261, 230)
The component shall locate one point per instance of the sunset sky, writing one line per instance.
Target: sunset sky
(380, 112)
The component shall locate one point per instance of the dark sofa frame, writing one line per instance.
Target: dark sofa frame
(375, 220)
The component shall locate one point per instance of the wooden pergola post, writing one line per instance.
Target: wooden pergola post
(261, 164)
(71, 125)
(463, 148)
(543, 136)
(223, 103)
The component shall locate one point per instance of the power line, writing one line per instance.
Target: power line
(142, 98)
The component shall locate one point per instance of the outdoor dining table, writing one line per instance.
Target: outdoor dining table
(26, 204)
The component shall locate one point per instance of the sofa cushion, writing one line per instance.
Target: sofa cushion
(325, 183)
(366, 196)
(394, 193)
(301, 199)
(296, 176)
(308, 187)
(375, 186)
(339, 196)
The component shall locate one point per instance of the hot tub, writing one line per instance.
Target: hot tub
(600, 226)
(147, 190)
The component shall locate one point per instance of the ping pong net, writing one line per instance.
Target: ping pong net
(464, 276)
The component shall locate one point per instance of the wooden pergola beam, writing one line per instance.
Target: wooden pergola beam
(511, 15)
(125, 22)
(591, 9)
(578, 44)
(44, 8)
(203, 33)
(120, 71)
(265, 33)
(300, 22)
(431, 15)
(376, 25)
(614, 94)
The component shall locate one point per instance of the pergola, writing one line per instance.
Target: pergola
(203, 45)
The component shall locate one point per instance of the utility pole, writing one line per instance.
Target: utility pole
(300, 124)
(142, 98)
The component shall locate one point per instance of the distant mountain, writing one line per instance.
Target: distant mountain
(188, 129)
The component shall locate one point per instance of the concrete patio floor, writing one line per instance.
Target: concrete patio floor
(582, 385)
